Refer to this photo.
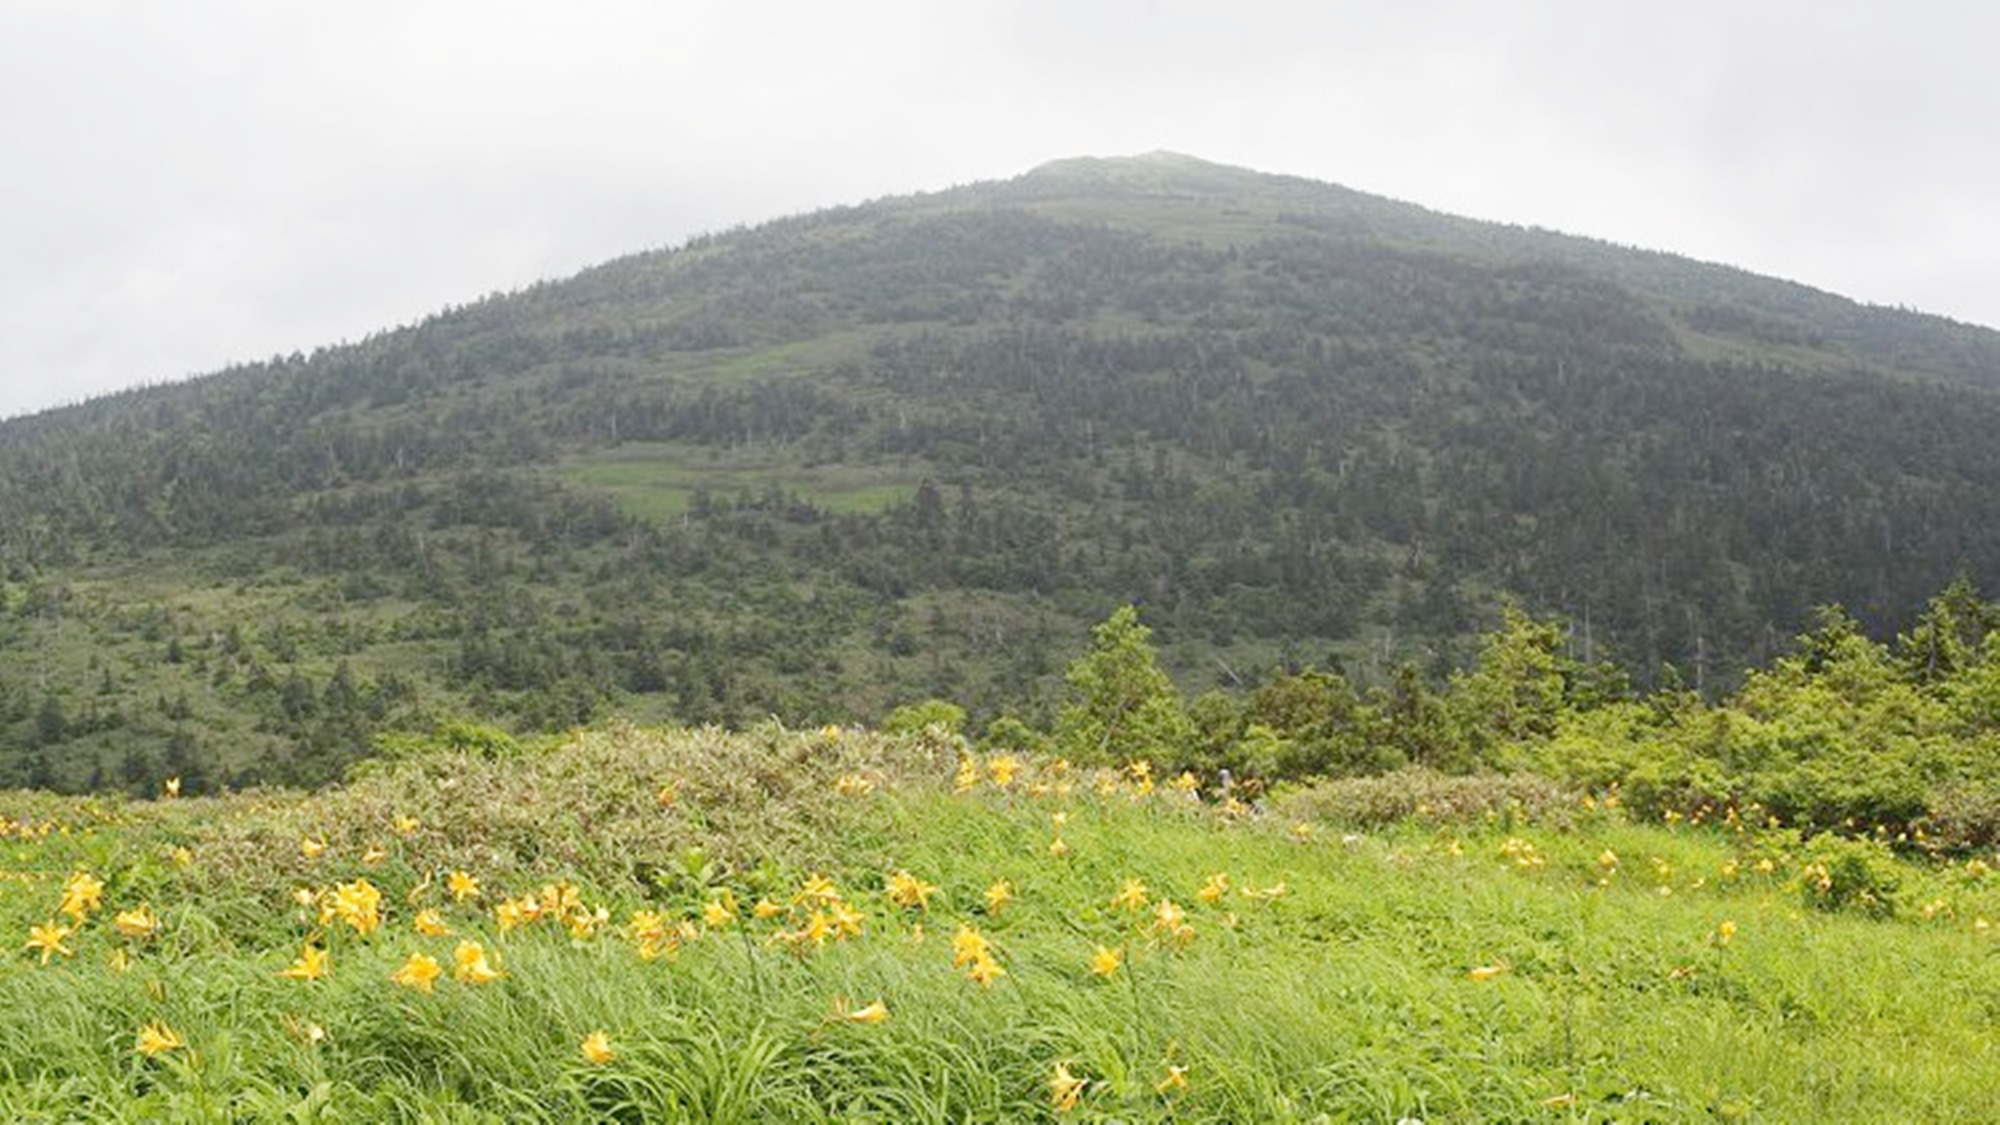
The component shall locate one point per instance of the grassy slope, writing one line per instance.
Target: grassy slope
(1349, 995)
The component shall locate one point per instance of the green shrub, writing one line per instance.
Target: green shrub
(1842, 873)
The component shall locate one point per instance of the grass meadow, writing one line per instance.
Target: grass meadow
(675, 925)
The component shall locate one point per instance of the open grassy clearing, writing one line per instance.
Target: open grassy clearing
(728, 910)
(659, 480)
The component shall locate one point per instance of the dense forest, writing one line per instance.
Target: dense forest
(917, 447)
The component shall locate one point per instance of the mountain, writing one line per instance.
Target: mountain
(917, 446)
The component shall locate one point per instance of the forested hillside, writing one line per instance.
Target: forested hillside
(917, 447)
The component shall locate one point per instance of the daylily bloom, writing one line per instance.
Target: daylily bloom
(1176, 1079)
(431, 924)
(873, 1013)
(719, 911)
(1106, 961)
(420, 972)
(1065, 1089)
(1213, 891)
(984, 971)
(597, 1049)
(82, 893)
(1486, 972)
(967, 945)
(998, 895)
(1002, 769)
(359, 904)
(511, 913)
(156, 1039)
(462, 886)
(313, 963)
(909, 892)
(1130, 897)
(470, 965)
(311, 848)
(48, 939)
(138, 922)
(172, 788)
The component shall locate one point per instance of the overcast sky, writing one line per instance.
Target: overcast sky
(184, 185)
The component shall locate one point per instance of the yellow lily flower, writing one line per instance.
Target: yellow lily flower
(157, 1039)
(138, 922)
(49, 939)
(470, 965)
(313, 963)
(420, 972)
(597, 1049)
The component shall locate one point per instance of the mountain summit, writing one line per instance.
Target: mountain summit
(916, 446)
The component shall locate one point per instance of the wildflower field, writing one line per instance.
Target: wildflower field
(836, 925)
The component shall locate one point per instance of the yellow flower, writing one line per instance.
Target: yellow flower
(1106, 961)
(720, 911)
(765, 910)
(138, 922)
(172, 788)
(597, 1049)
(1725, 931)
(967, 777)
(512, 913)
(1057, 848)
(1186, 783)
(311, 848)
(1168, 917)
(558, 899)
(1002, 769)
(1176, 1079)
(984, 971)
(82, 893)
(313, 963)
(1486, 972)
(359, 904)
(462, 886)
(967, 945)
(1065, 1089)
(182, 856)
(48, 939)
(431, 924)
(157, 1039)
(816, 889)
(1607, 859)
(374, 855)
(998, 895)
(406, 825)
(909, 892)
(583, 923)
(1130, 897)
(420, 972)
(1213, 891)
(646, 925)
(873, 1013)
(470, 965)
(853, 785)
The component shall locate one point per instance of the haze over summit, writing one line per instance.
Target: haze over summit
(222, 182)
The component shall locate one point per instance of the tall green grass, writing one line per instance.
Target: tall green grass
(1606, 987)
